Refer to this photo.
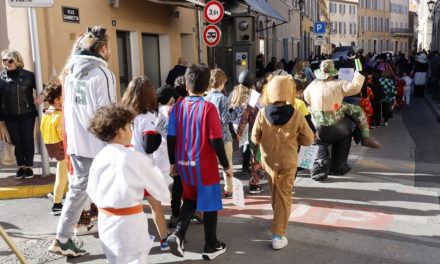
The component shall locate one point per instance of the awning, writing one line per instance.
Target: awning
(184, 3)
(261, 6)
(179, 2)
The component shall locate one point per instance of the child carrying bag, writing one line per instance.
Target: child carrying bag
(7, 156)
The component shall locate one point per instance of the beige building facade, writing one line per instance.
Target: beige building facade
(374, 25)
(344, 22)
(399, 26)
(146, 37)
(276, 38)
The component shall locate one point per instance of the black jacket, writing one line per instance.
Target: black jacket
(177, 71)
(17, 93)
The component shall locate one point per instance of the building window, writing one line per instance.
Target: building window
(334, 28)
(342, 9)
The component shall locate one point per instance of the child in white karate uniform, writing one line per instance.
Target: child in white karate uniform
(118, 178)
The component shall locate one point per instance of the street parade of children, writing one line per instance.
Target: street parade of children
(174, 144)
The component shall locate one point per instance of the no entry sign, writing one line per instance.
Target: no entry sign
(212, 35)
(214, 12)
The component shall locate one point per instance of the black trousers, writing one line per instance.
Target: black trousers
(21, 131)
(246, 154)
(209, 222)
(419, 91)
(176, 196)
(339, 137)
(377, 112)
(386, 111)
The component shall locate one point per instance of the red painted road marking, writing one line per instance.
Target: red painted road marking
(316, 213)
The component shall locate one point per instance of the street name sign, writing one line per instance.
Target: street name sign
(213, 12)
(212, 35)
(70, 14)
(30, 3)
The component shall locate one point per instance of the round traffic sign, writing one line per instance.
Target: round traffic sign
(212, 35)
(214, 12)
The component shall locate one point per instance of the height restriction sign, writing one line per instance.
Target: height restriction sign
(212, 35)
(214, 12)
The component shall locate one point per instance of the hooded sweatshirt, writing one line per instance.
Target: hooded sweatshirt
(88, 86)
(280, 129)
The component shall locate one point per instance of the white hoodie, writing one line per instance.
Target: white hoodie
(88, 86)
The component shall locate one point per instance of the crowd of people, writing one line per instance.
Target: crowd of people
(119, 154)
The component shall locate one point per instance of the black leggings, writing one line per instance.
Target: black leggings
(176, 196)
(377, 113)
(209, 222)
(21, 131)
(386, 111)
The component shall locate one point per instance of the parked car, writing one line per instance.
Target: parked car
(341, 51)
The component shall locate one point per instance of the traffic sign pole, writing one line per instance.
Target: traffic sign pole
(32, 13)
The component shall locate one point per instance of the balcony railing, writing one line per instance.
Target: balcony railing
(401, 31)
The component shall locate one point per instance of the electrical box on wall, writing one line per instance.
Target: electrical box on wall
(236, 51)
(244, 29)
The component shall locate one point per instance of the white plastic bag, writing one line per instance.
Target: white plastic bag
(307, 156)
(237, 192)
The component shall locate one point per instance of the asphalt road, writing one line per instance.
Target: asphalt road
(386, 210)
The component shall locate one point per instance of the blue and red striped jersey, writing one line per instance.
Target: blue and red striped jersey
(195, 122)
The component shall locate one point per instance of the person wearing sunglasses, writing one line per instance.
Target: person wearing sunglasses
(17, 109)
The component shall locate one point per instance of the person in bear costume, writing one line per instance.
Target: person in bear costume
(279, 128)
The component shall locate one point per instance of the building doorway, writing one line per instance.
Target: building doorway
(124, 59)
(187, 48)
(150, 48)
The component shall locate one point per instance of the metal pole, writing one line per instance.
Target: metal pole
(12, 246)
(199, 35)
(33, 26)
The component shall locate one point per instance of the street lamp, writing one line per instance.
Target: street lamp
(431, 5)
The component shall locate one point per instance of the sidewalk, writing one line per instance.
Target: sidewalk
(11, 188)
(435, 107)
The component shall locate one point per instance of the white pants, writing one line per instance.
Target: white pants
(407, 94)
(127, 259)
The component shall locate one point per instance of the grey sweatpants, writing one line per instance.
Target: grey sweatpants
(76, 198)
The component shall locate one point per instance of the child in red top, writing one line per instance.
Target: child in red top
(194, 143)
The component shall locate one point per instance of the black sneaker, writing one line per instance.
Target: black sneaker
(28, 173)
(176, 245)
(20, 173)
(255, 189)
(210, 252)
(57, 208)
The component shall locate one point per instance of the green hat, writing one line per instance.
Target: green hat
(326, 69)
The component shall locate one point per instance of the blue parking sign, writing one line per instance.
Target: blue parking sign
(319, 28)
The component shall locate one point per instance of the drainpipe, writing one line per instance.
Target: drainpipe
(199, 35)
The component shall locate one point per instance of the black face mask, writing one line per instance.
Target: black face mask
(279, 115)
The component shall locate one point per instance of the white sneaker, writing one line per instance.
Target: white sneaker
(83, 230)
(279, 243)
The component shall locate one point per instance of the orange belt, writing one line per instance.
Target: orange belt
(122, 211)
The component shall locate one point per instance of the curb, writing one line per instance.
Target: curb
(25, 191)
(434, 107)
